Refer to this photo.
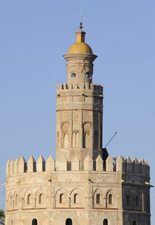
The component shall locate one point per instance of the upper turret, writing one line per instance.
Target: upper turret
(80, 59)
(80, 47)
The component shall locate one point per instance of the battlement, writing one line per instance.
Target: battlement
(96, 88)
(124, 166)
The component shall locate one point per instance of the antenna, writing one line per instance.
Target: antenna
(111, 139)
(81, 16)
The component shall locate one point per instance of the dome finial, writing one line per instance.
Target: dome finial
(81, 26)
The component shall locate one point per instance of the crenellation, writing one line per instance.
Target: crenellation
(136, 166)
(145, 168)
(75, 165)
(50, 164)
(11, 167)
(95, 88)
(40, 164)
(99, 163)
(129, 165)
(121, 165)
(109, 164)
(15, 164)
(8, 168)
(31, 165)
(88, 164)
(61, 165)
(22, 166)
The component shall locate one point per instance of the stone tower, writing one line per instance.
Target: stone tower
(79, 106)
(83, 185)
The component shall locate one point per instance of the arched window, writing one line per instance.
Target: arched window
(110, 199)
(127, 200)
(75, 141)
(98, 199)
(34, 222)
(29, 199)
(134, 222)
(61, 198)
(65, 144)
(86, 135)
(65, 135)
(41, 198)
(68, 221)
(86, 140)
(105, 222)
(137, 200)
(69, 166)
(75, 198)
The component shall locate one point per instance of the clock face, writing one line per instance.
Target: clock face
(73, 75)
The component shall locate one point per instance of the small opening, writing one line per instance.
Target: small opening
(134, 222)
(68, 221)
(73, 75)
(98, 199)
(75, 198)
(110, 199)
(68, 166)
(40, 198)
(105, 222)
(61, 198)
(87, 75)
(34, 222)
(104, 165)
(29, 199)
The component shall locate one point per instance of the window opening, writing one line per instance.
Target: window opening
(98, 199)
(110, 199)
(40, 198)
(68, 221)
(61, 198)
(34, 222)
(75, 198)
(105, 222)
(29, 199)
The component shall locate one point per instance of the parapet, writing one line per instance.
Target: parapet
(95, 88)
(116, 165)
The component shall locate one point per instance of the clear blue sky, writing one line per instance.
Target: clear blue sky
(34, 34)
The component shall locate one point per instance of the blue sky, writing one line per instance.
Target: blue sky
(34, 34)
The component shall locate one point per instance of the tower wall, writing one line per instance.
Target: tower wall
(46, 190)
(79, 121)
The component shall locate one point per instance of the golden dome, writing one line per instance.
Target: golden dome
(80, 47)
